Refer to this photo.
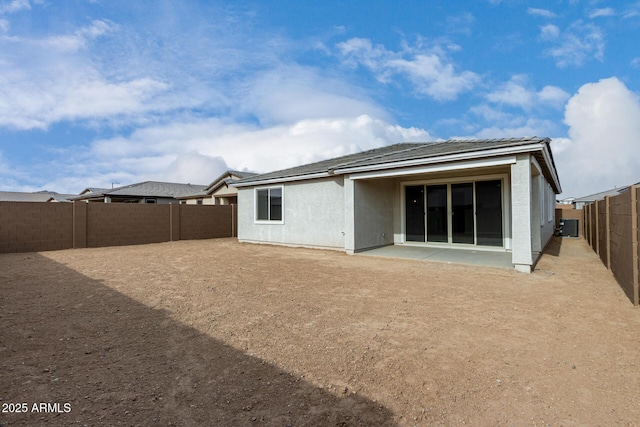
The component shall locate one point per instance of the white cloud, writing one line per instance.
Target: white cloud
(549, 32)
(53, 79)
(199, 150)
(460, 24)
(194, 168)
(607, 11)
(15, 6)
(574, 46)
(493, 115)
(635, 62)
(544, 13)
(552, 95)
(517, 92)
(604, 133)
(529, 127)
(80, 38)
(558, 145)
(248, 147)
(513, 93)
(429, 70)
(290, 93)
(632, 11)
(38, 98)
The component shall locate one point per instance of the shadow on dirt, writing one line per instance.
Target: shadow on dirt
(553, 246)
(66, 338)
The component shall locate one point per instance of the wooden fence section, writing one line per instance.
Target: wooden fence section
(34, 226)
(612, 229)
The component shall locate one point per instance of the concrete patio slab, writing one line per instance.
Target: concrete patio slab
(451, 256)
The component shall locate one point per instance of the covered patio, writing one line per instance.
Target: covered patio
(487, 258)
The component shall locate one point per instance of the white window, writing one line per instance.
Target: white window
(269, 204)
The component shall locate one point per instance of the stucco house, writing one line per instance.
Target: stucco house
(496, 195)
(219, 192)
(140, 192)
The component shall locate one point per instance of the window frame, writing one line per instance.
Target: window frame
(255, 205)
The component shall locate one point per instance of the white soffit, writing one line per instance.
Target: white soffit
(471, 164)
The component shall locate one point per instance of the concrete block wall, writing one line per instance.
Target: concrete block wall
(603, 234)
(35, 226)
(205, 221)
(612, 230)
(621, 242)
(117, 224)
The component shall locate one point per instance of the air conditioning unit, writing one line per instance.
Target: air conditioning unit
(568, 227)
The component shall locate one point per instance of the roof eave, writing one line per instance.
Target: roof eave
(538, 146)
(445, 158)
(279, 180)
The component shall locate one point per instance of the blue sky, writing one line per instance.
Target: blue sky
(99, 92)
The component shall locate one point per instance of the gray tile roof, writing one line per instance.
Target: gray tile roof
(601, 195)
(442, 148)
(228, 174)
(241, 174)
(16, 196)
(147, 189)
(218, 181)
(329, 164)
(40, 196)
(95, 190)
(62, 197)
(398, 153)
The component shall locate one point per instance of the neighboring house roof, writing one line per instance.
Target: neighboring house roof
(93, 190)
(411, 154)
(146, 189)
(61, 197)
(225, 178)
(601, 195)
(40, 196)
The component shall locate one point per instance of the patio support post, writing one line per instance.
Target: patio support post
(521, 198)
(349, 215)
(536, 236)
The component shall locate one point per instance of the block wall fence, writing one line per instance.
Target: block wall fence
(612, 229)
(35, 226)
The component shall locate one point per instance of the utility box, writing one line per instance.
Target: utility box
(568, 227)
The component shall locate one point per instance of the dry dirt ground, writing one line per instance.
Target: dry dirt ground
(214, 332)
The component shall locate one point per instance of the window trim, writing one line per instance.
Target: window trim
(255, 204)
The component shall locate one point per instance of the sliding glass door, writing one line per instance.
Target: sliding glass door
(467, 213)
(437, 221)
(489, 212)
(462, 213)
(414, 207)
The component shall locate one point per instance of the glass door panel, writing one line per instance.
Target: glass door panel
(437, 224)
(414, 204)
(489, 213)
(462, 230)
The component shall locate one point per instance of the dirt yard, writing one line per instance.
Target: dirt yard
(218, 333)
